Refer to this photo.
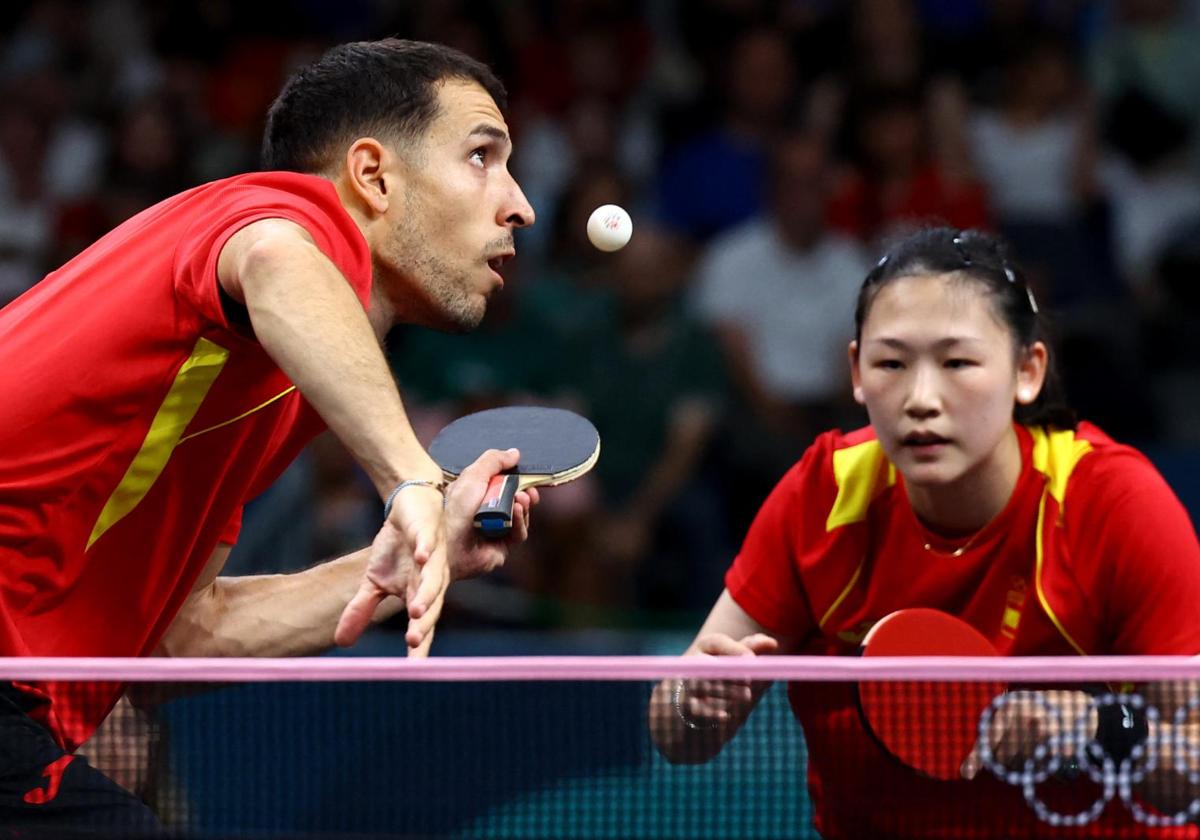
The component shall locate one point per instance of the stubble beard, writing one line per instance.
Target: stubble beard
(438, 295)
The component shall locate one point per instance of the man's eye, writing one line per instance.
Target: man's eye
(479, 157)
(958, 363)
(889, 364)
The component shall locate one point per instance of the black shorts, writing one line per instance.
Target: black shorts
(46, 792)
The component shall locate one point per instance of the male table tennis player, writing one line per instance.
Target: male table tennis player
(174, 369)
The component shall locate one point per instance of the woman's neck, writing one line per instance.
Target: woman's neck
(975, 499)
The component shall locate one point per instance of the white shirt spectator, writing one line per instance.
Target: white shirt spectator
(1028, 170)
(1148, 209)
(796, 309)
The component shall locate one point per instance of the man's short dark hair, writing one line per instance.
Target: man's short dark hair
(384, 89)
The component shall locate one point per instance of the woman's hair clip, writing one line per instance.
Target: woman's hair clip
(1028, 291)
(959, 245)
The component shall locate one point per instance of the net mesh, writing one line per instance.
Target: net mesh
(562, 748)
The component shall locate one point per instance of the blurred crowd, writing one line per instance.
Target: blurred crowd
(766, 150)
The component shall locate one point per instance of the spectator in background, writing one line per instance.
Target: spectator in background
(1146, 71)
(910, 165)
(1036, 150)
(150, 159)
(26, 214)
(776, 290)
(1172, 340)
(715, 180)
(1151, 185)
(587, 105)
(652, 379)
(1147, 59)
(886, 48)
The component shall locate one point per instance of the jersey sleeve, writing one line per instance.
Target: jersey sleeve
(233, 528)
(1134, 548)
(313, 206)
(765, 576)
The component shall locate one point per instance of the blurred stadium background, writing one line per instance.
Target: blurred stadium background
(765, 149)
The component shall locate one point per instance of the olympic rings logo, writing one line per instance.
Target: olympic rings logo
(1078, 751)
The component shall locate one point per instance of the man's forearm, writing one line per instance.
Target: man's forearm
(270, 615)
(309, 321)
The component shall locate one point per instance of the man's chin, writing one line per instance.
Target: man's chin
(460, 320)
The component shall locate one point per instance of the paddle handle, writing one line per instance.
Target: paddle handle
(494, 517)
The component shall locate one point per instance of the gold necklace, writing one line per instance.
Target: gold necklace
(958, 552)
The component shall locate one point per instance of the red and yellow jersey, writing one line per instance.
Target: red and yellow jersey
(137, 421)
(1093, 554)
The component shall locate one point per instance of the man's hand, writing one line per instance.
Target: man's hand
(470, 554)
(417, 553)
(408, 558)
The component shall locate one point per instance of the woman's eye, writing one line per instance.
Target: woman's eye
(889, 364)
(958, 363)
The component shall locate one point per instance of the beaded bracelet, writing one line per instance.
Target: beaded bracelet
(439, 486)
(677, 702)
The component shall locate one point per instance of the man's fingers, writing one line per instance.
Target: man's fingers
(421, 651)
(432, 581)
(357, 615)
(490, 463)
(520, 528)
(419, 635)
(425, 545)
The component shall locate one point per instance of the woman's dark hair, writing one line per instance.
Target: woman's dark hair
(385, 89)
(981, 258)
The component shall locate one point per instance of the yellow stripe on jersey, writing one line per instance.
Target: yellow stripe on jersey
(1055, 455)
(180, 405)
(224, 423)
(857, 470)
(845, 591)
(1037, 580)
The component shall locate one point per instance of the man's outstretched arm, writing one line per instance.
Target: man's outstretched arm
(308, 319)
(297, 614)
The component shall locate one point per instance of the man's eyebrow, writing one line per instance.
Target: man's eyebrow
(489, 130)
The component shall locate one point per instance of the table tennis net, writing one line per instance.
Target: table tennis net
(342, 747)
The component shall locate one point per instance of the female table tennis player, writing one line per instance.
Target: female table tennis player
(975, 492)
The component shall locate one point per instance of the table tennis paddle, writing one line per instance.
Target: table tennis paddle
(556, 446)
(929, 726)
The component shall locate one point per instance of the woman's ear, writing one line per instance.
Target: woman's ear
(855, 378)
(1031, 372)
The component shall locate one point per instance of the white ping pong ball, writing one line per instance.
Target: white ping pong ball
(609, 227)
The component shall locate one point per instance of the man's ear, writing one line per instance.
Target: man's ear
(855, 378)
(372, 173)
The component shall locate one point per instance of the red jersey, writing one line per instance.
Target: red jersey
(1093, 554)
(137, 421)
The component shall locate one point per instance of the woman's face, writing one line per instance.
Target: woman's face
(939, 376)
